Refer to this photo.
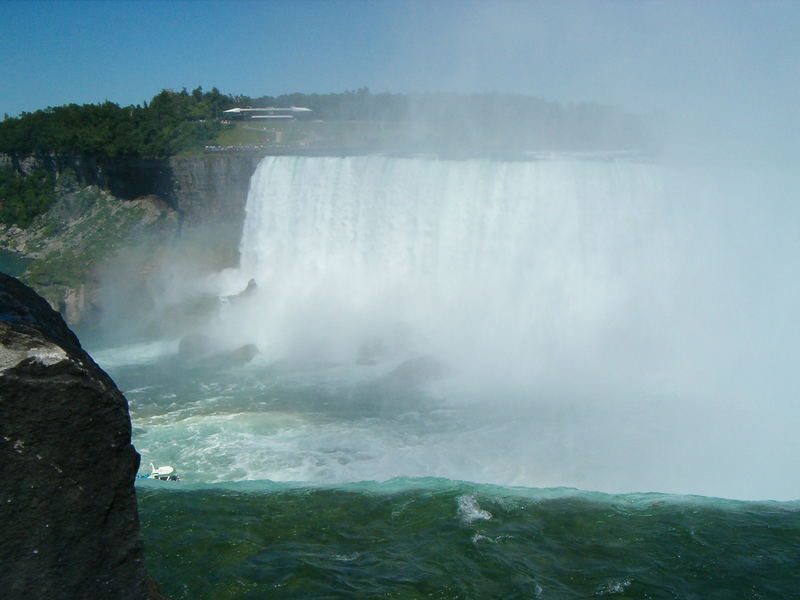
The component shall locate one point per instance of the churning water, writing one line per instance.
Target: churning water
(605, 325)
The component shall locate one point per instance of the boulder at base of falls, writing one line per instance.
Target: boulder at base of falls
(69, 519)
(202, 351)
(416, 371)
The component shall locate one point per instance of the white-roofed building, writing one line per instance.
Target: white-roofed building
(270, 112)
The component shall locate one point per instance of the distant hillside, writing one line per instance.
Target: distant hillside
(473, 124)
(173, 122)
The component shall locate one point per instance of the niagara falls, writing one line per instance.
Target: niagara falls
(457, 300)
(515, 323)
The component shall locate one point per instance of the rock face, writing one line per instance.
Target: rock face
(203, 189)
(69, 518)
(127, 178)
(212, 188)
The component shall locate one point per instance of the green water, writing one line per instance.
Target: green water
(12, 264)
(442, 539)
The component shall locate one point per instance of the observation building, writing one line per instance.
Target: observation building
(270, 112)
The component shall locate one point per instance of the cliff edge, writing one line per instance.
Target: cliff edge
(69, 518)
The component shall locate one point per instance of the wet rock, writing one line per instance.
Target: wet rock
(243, 354)
(195, 345)
(200, 349)
(371, 352)
(252, 287)
(417, 371)
(67, 466)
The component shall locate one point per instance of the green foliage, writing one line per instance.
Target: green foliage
(67, 181)
(65, 267)
(183, 122)
(81, 234)
(170, 123)
(24, 197)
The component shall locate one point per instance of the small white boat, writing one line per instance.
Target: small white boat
(165, 473)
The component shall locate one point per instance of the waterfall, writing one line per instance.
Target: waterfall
(599, 271)
(513, 266)
(612, 325)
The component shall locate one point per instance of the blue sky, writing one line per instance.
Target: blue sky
(726, 60)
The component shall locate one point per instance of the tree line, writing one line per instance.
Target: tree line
(169, 123)
(166, 125)
(175, 121)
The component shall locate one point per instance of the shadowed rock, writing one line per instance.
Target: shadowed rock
(200, 350)
(417, 371)
(69, 519)
(194, 346)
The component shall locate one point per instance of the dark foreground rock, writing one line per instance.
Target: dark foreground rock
(69, 519)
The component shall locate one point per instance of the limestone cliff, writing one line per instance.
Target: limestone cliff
(67, 466)
(211, 188)
(206, 188)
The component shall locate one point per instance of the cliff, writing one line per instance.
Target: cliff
(202, 189)
(67, 466)
(80, 238)
(211, 188)
(127, 211)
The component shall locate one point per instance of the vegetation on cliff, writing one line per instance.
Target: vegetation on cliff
(78, 239)
(23, 197)
(163, 127)
(168, 124)
(173, 122)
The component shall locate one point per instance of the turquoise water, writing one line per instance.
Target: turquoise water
(237, 527)
(12, 264)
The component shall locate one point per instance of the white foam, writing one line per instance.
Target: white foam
(469, 510)
(614, 586)
(134, 354)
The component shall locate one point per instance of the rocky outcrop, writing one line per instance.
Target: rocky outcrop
(84, 235)
(106, 207)
(69, 517)
(212, 188)
(203, 189)
(202, 351)
(124, 177)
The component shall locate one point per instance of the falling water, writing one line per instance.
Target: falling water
(515, 265)
(604, 324)
(629, 317)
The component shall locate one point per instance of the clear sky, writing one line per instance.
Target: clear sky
(726, 60)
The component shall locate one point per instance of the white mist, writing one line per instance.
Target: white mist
(610, 325)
